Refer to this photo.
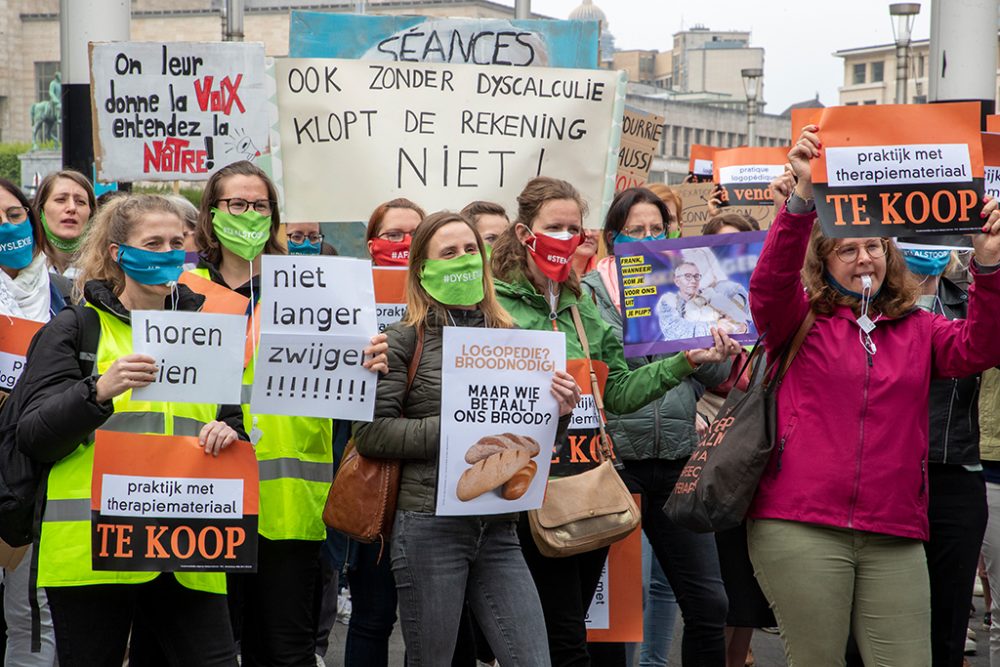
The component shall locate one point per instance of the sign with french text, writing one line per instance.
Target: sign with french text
(674, 292)
(159, 503)
(199, 356)
(746, 173)
(357, 133)
(176, 110)
(498, 419)
(15, 338)
(696, 211)
(700, 163)
(641, 134)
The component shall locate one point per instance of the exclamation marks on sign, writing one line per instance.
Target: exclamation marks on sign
(270, 381)
(209, 153)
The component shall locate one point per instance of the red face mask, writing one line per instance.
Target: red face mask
(391, 253)
(553, 255)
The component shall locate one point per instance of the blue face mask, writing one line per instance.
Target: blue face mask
(927, 262)
(305, 248)
(622, 238)
(843, 290)
(151, 268)
(17, 245)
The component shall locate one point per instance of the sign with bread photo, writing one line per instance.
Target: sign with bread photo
(498, 419)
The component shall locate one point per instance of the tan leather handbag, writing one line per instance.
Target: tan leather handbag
(592, 509)
(362, 499)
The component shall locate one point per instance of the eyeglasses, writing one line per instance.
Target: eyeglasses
(691, 277)
(394, 236)
(16, 214)
(300, 237)
(238, 206)
(849, 253)
(641, 232)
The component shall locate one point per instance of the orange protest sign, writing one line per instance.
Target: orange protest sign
(582, 446)
(390, 294)
(218, 299)
(746, 173)
(899, 170)
(159, 503)
(993, 123)
(15, 338)
(615, 613)
(701, 162)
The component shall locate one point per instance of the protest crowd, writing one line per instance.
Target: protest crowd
(514, 434)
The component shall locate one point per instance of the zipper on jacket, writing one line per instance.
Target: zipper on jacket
(923, 477)
(781, 450)
(861, 440)
(951, 407)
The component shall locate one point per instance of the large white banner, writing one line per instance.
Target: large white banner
(354, 134)
(176, 110)
(498, 418)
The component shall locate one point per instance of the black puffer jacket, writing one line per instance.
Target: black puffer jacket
(59, 406)
(954, 414)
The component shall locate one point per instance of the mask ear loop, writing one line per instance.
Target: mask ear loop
(864, 321)
(254, 431)
(553, 295)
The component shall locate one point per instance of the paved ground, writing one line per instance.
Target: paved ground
(766, 647)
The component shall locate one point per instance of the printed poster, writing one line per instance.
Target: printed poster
(694, 215)
(313, 336)
(176, 110)
(700, 163)
(746, 173)
(498, 419)
(15, 338)
(991, 164)
(615, 613)
(641, 134)
(357, 133)
(674, 292)
(390, 294)
(517, 42)
(199, 355)
(898, 170)
(581, 451)
(159, 503)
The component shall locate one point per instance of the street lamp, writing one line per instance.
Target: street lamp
(903, 15)
(751, 86)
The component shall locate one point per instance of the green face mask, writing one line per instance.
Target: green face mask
(245, 235)
(63, 245)
(674, 234)
(454, 282)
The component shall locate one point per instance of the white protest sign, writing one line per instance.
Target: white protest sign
(199, 355)
(358, 133)
(317, 316)
(599, 613)
(498, 418)
(176, 110)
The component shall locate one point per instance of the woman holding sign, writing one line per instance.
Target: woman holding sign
(26, 293)
(273, 610)
(432, 555)
(65, 203)
(130, 261)
(539, 289)
(836, 526)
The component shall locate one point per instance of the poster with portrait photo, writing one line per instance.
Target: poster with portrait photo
(674, 292)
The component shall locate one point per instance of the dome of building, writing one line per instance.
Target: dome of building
(588, 11)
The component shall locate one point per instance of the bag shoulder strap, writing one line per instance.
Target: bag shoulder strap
(418, 350)
(604, 451)
(796, 343)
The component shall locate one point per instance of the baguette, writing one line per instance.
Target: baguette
(494, 444)
(491, 472)
(517, 486)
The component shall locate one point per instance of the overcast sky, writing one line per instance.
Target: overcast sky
(798, 37)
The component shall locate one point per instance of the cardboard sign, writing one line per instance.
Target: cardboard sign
(991, 164)
(583, 437)
(390, 294)
(159, 503)
(498, 419)
(993, 123)
(746, 173)
(199, 355)
(615, 613)
(674, 292)
(702, 160)
(641, 134)
(357, 133)
(521, 43)
(15, 337)
(899, 170)
(317, 314)
(695, 197)
(176, 110)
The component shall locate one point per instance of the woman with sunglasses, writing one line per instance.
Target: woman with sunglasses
(836, 528)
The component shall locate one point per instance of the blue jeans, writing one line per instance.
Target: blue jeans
(660, 613)
(439, 562)
(373, 606)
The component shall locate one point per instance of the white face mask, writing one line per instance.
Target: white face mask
(560, 236)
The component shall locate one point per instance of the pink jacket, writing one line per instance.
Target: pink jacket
(851, 438)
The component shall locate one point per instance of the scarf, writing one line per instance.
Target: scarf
(609, 276)
(27, 296)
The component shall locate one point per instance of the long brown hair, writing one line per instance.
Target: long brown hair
(897, 296)
(510, 257)
(114, 224)
(45, 191)
(419, 304)
(205, 238)
(375, 221)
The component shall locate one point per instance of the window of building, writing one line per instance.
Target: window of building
(662, 148)
(871, 102)
(676, 140)
(698, 134)
(710, 137)
(878, 71)
(687, 142)
(44, 73)
(732, 140)
(859, 74)
(851, 104)
(741, 140)
(920, 67)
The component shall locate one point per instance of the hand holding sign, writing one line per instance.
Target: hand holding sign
(216, 436)
(723, 348)
(129, 372)
(376, 358)
(566, 391)
(804, 150)
(987, 244)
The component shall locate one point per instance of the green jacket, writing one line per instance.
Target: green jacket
(626, 390)
(664, 427)
(989, 416)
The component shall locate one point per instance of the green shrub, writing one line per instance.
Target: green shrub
(10, 166)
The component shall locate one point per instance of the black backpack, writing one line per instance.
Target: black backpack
(21, 478)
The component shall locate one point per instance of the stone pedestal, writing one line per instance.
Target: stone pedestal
(40, 164)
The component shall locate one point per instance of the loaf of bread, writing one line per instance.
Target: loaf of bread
(493, 444)
(490, 473)
(518, 485)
